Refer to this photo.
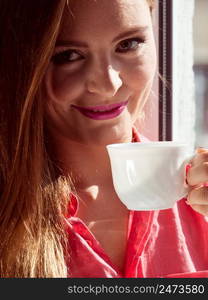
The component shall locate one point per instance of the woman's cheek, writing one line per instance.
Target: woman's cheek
(65, 86)
(137, 76)
(142, 68)
(139, 81)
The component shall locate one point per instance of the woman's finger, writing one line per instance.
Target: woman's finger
(198, 196)
(200, 157)
(202, 209)
(197, 174)
(198, 200)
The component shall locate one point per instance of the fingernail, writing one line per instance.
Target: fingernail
(187, 167)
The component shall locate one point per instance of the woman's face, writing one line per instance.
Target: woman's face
(101, 71)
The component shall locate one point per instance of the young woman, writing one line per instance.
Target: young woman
(75, 76)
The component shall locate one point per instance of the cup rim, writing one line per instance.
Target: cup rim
(156, 144)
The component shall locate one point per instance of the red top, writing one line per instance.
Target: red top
(165, 243)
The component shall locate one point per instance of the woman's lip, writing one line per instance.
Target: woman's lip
(101, 108)
(102, 112)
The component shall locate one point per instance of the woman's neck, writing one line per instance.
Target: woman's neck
(87, 165)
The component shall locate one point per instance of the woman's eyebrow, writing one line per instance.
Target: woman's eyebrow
(135, 30)
(71, 43)
(81, 44)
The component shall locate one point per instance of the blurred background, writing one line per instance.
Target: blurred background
(189, 58)
(200, 40)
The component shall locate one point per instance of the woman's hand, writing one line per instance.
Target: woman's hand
(197, 179)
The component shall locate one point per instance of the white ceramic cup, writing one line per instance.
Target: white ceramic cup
(149, 175)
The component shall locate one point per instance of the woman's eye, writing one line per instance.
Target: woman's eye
(65, 57)
(129, 45)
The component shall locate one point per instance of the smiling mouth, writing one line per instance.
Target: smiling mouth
(102, 112)
(101, 108)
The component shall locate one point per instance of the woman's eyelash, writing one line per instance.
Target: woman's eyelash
(66, 56)
(131, 44)
(70, 55)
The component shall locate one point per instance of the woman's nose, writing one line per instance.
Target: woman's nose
(104, 80)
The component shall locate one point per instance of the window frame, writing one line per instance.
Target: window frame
(165, 37)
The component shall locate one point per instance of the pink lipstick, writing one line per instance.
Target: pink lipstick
(102, 112)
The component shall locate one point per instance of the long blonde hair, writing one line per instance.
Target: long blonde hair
(33, 198)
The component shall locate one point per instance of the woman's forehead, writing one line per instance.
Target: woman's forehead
(91, 16)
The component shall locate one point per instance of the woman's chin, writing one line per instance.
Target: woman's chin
(119, 131)
(111, 137)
